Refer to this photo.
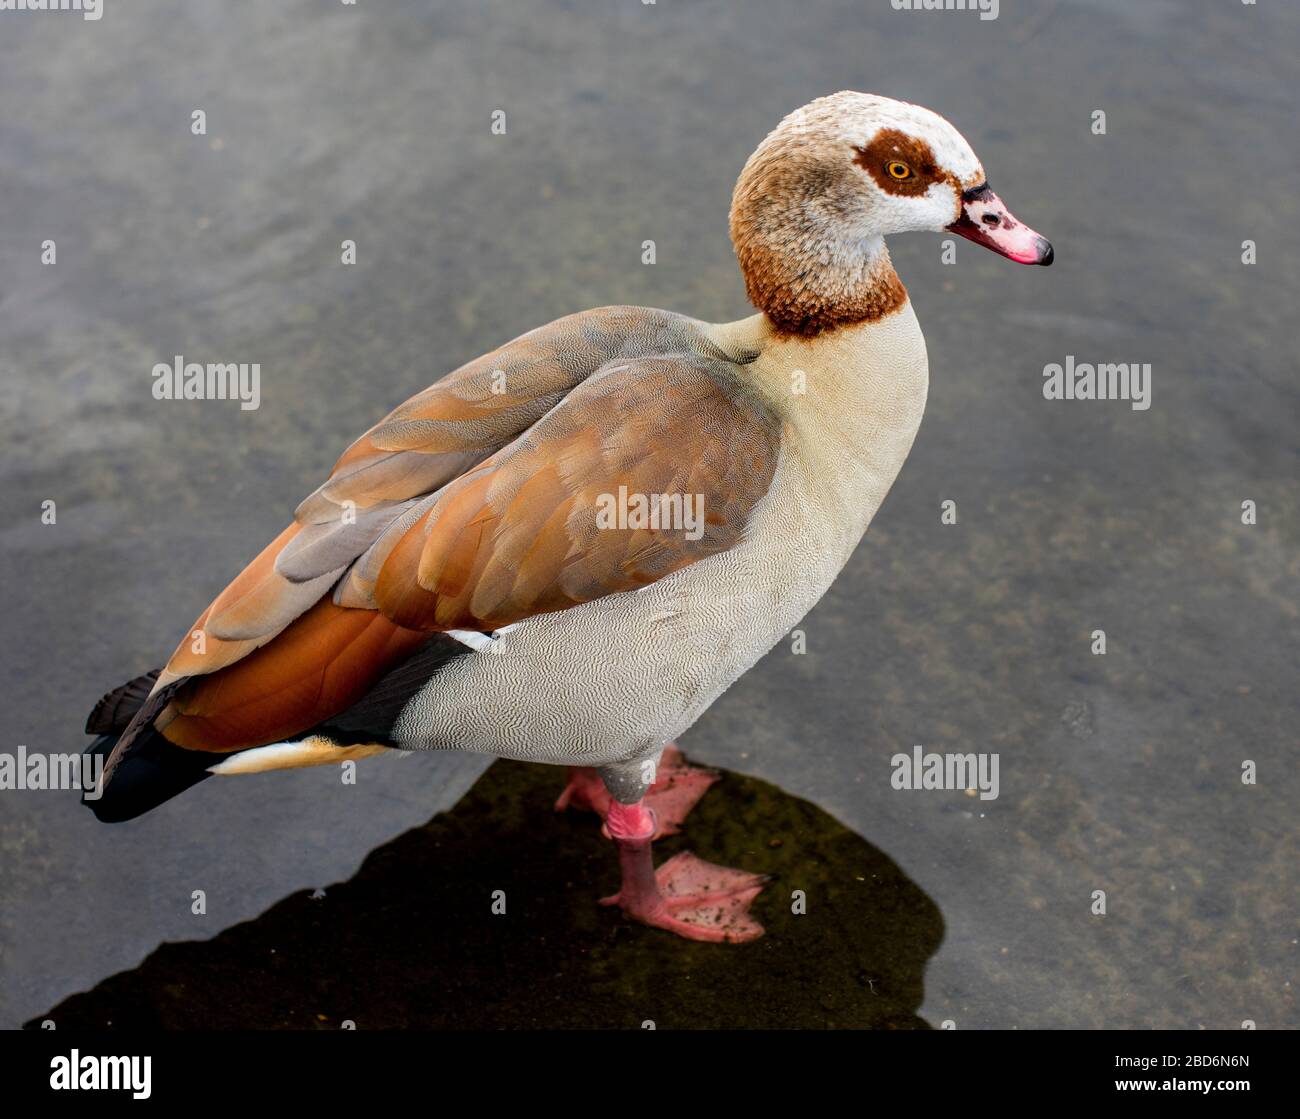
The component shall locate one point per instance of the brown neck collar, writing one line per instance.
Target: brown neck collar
(809, 291)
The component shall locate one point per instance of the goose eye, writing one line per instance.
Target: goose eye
(898, 170)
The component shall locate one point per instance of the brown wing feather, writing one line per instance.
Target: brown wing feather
(527, 532)
(256, 606)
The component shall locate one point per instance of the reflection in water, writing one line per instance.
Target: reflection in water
(412, 941)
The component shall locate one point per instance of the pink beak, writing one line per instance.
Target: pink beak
(986, 221)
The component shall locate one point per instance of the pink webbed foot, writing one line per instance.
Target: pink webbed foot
(676, 790)
(688, 896)
(699, 901)
(585, 791)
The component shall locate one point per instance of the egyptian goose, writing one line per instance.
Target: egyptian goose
(566, 550)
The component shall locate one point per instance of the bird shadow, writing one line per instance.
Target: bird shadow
(416, 940)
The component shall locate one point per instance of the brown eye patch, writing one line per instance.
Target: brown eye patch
(892, 151)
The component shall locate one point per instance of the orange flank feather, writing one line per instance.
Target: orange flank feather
(320, 665)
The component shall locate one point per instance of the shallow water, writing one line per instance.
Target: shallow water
(486, 918)
(625, 123)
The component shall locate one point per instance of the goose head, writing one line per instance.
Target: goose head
(817, 197)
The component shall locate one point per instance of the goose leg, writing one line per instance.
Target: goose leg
(686, 895)
(676, 790)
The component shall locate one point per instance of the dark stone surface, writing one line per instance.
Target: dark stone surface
(626, 122)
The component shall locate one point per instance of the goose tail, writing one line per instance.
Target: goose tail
(154, 771)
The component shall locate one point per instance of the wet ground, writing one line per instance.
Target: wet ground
(502, 933)
(1120, 773)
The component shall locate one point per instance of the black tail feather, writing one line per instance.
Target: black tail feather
(154, 771)
(113, 713)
